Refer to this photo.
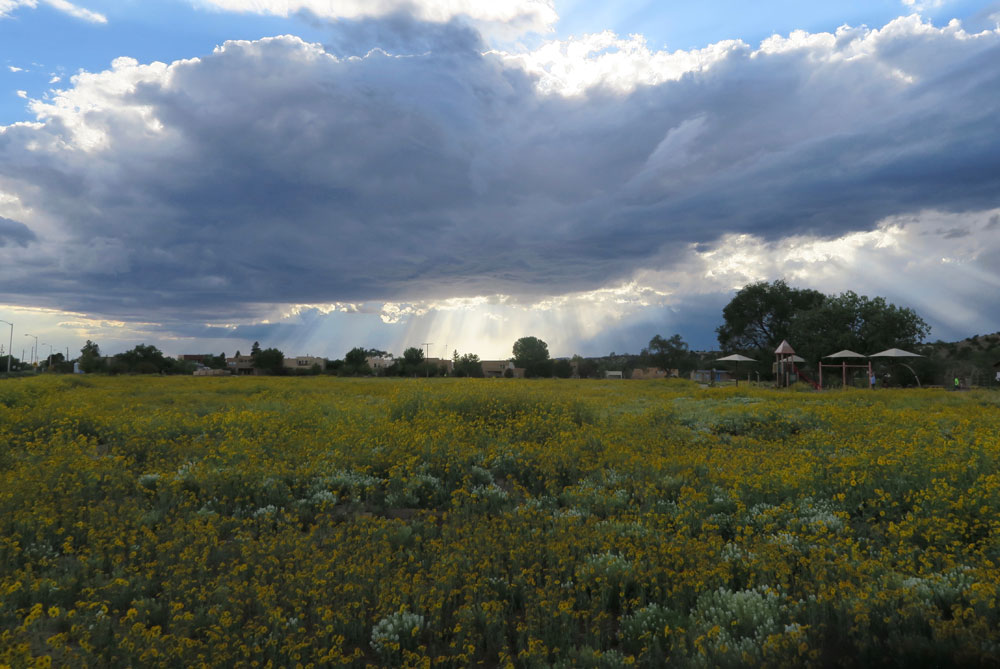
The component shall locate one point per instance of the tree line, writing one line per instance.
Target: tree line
(755, 321)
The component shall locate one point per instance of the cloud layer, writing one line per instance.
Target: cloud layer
(7, 8)
(275, 172)
(509, 17)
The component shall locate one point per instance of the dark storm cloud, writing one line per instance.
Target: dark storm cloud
(14, 233)
(277, 172)
(398, 34)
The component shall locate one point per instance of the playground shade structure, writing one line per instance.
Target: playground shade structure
(737, 358)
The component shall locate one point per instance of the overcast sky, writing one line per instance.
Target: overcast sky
(323, 174)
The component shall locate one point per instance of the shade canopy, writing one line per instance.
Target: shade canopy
(846, 353)
(797, 358)
(735, 357)
(895, 353)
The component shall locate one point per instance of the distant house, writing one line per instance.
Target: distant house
(241, 365)
(303, 362)
(379, 363)
(499, 368)
(446, 363)
(200, 358)
(613, 375)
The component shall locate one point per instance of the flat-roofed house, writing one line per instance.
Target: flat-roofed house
(498, 369)
(241, 365)
(303, 362)
(379, 363)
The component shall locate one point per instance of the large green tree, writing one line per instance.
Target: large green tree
(856, 322)
(532, 354)
(760, 315)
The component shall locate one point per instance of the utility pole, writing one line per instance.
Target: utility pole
(427, 365)
(10, 345)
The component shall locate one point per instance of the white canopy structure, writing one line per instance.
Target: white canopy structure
(846, 353)
(895, 353)
(898, 353)
(737, 358)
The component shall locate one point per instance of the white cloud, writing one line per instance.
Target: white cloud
(7, 7)
(604, 60)
(573, 66)
(924, 5)
(55, 79)
(78, 12)
(22, 94)
(515, 15)
(15, 69)
(101, 95)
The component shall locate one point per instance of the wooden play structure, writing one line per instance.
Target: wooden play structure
(844, 356)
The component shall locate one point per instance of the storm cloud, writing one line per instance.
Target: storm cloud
(14, 233)
(282, 172)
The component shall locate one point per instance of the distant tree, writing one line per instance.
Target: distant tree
(670, 354)
(856, 322)
(586, 368)
(413, 356)
(269, 360)
(146, 359)
(532, 354)
(760, 315)
(255, 349)
(355, 363)
(468, 364)
(562, 368)
(215, 361)
(412, 363)
(90, 358)
(356, 357)
(59, 364)
(15, 364)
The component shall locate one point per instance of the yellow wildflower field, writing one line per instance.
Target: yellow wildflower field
(322, 522)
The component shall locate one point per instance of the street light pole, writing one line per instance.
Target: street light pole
(427, 365)
(49, 366)
(34, 352)
(10, 350)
